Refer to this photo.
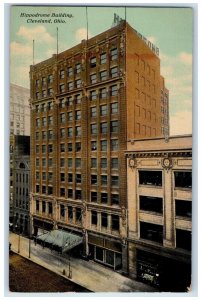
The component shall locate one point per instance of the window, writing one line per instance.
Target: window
(50, 148)
(62, 177)
(103, 127)
(70, 212)
(114, 145)
(151, 232)
(50, 176)
(93, 78)
(93, 145)
(37, 135)
(93, 111)
(114, 126)
(62, 103)
(37, 188)
(43, 189)
(37, 122)
(114, 163)
(62, 210)
(103, 75)
(114, 72)
(37, 148)
(43, 162)
(69, 147)
(69, 101)
(78, 98)
(114, 90)
(93, 162)
(69, 71)
(183, 208)
(70, 132)
(115, 222)
(78, 68)
(114, 108)
(50, 208)
(70, 193)
(183, 179)
(37, 95)
(70, 85)
(78, 146)
(62, 162)
(103, 58)
(78, 178)
(78, 83)
(93, 95)
(50, 162)
(93, 179)
(150, 178)
(78, 162)
(104, 180)
(50, 78)
(62, 133)
(93, 62)
(62, 118)
(103, 110)
(43, 175)
(69, 162)
(114, 54)
(43, 206)
(50, 92)
(99, 254)
(44, 93)
(114, 180)
(69, 116)
(78, 194)
(93, 217)
(62, 192)
(93, 196)
(37, 82)
(62, 74)
(78, 115)
(70, 177)
(50, 134)
(103, 163)
(49, 105)
(50, 120)
(78, 130)
(62, 88)
(103, 93)
(114, 199)
(78, 214)
(37, 176)
(104, 197)
(93, 128)
(62, 147)
(50, 190)
(153, 204)
(103, 145)
(104, 221)
(37, 205)
(183, 239)
(36, 108)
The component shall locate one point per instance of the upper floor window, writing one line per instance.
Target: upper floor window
(93, 62)
(103, 58)
(114, 108)
(69, 101)
(93, 78)
(69, 71)
(93, 95)
(115, 222)
(152, 232)
(62, 88)
(78, 83)
(183, 179)
(37, 82)
(50, 78)
(150, 178)
(70, 85)
(114, 90)
(103, 93)
(114, 72)
(50, 92)
(62, 74)
(78, 98)
(103, 75)
(153, 204)
(183, 208)
(78, 68)
(114, 54)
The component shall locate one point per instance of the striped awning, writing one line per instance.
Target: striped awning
(62, 239)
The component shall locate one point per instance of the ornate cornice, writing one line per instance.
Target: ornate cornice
(133, 155)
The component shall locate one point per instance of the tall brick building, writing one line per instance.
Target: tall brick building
(87, 102)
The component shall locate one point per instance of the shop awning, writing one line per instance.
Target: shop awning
(60, 239)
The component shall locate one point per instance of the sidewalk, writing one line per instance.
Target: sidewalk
(88, 274)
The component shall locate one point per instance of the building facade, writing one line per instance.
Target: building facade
(159, 175)
(19, 110)
(164, 108)
(86, 103)
(21, 184)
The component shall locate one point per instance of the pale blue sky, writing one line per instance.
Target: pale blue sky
(170, 29)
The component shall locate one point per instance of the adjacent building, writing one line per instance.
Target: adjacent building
(21, 184)
(86, 103)
(159, 184)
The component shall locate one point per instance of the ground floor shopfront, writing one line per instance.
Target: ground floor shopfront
(161, 269)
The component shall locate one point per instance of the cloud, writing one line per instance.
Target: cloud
(81, 34)
(17, 48)
(185, 58)
(38, 33)
(181, 123)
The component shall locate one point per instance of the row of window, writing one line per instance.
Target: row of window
(21, 177)
(105, 127)
(182, 178)
(21, 204)
(105, 222)
(183, 208)
(44, 107)
(21, 191)
(154, 232)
